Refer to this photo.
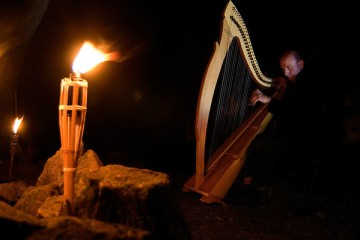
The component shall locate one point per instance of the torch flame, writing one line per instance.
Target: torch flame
(88, 57)
(17, 124)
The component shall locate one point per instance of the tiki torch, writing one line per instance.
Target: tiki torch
(14, 138)
(72, 114)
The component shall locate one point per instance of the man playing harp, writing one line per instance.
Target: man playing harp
(293, 142)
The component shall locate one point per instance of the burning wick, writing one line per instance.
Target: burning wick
(17, 124)
(88, 57)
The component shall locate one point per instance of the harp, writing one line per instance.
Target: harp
(225, 123)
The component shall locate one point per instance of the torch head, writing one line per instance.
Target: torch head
(75, 76)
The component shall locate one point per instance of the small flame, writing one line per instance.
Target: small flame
(88, 57)
(17, 124)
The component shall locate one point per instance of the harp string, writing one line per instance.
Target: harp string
(218, 117)
(231, 98)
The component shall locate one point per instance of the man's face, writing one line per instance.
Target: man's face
(291, 67)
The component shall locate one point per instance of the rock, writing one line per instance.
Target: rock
(11, 192)
(66, 227)
(53, 169)
(52, 207)
(110, 202)
(89, 160)
(139, 198)
(34, 197)
(16, 224)
(119, 194)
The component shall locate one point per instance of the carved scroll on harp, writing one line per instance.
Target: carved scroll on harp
(225, 122)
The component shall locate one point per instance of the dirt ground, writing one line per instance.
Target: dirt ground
(334, 214)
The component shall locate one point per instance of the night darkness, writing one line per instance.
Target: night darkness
(142, 109)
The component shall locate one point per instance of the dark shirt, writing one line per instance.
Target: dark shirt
(298, 113)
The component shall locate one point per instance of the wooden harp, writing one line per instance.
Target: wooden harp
(225, 123)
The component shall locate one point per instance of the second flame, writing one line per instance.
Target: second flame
(17, 124)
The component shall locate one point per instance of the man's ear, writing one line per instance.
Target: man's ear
(301, 63)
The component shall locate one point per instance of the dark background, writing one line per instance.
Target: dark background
(141, 110)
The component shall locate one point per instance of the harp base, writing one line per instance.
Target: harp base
(206, 198)
(217, 183)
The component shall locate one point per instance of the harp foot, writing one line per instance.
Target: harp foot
(213, 199)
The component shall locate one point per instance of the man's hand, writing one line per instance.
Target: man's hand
(258, 96)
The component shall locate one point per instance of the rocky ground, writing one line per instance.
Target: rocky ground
(334, 212)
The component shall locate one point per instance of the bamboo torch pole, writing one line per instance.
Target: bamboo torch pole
(72, 114)
(13, 146)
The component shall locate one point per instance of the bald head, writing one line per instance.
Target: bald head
(291, 65)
